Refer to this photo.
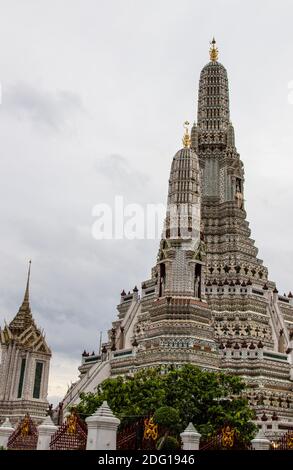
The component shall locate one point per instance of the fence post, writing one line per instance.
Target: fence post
(260, 442)
(190, 438)
(45, 431)
(6, 429)
(102, 429)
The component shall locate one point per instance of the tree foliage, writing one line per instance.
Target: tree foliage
(167, 417)
(209, 400)
(169, 444)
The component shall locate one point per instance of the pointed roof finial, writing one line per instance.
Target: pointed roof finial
(26, 294)
(23, 318)
(186, 138)
(214, 53)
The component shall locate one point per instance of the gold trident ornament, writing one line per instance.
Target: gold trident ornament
(290, 441)
(25, 426)
(72, 423)
(228, 436)
(214, 53)
(186, 138)
(150, 429)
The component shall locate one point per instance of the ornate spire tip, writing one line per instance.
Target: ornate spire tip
(26, 294)
(186, 138)
(214, 53)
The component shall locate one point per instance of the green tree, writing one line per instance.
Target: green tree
(209, 400)
(168, 418)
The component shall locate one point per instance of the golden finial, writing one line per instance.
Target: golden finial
(214, 53)
(186, 138)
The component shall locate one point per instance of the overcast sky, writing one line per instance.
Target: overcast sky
(94, 94)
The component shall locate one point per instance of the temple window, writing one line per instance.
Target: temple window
(21, 377)
(38, 380)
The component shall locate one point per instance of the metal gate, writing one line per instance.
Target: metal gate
(25, 436)
(226, 439)
(71, 435)
(140, 434)
(284, 443)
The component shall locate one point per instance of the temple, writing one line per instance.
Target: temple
(209, 300)
(24, 366)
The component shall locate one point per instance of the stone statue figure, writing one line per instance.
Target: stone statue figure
(162, 287)
(197, 281)
(239, 199)
(196, 286)
(239, 195)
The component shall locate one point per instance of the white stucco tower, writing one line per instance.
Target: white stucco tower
(24, 366)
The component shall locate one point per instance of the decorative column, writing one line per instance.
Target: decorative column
(260, 442)
(190, 438)
(6, 429)
(102, 429)
(45, 432)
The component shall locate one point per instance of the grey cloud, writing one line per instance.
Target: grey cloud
(123, 176)
(50, 109)
(76, 281)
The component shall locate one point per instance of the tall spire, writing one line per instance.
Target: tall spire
(213, 97)
(183, 207)
(26, 294)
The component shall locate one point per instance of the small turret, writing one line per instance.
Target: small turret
(230, 136)
(194, 137)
